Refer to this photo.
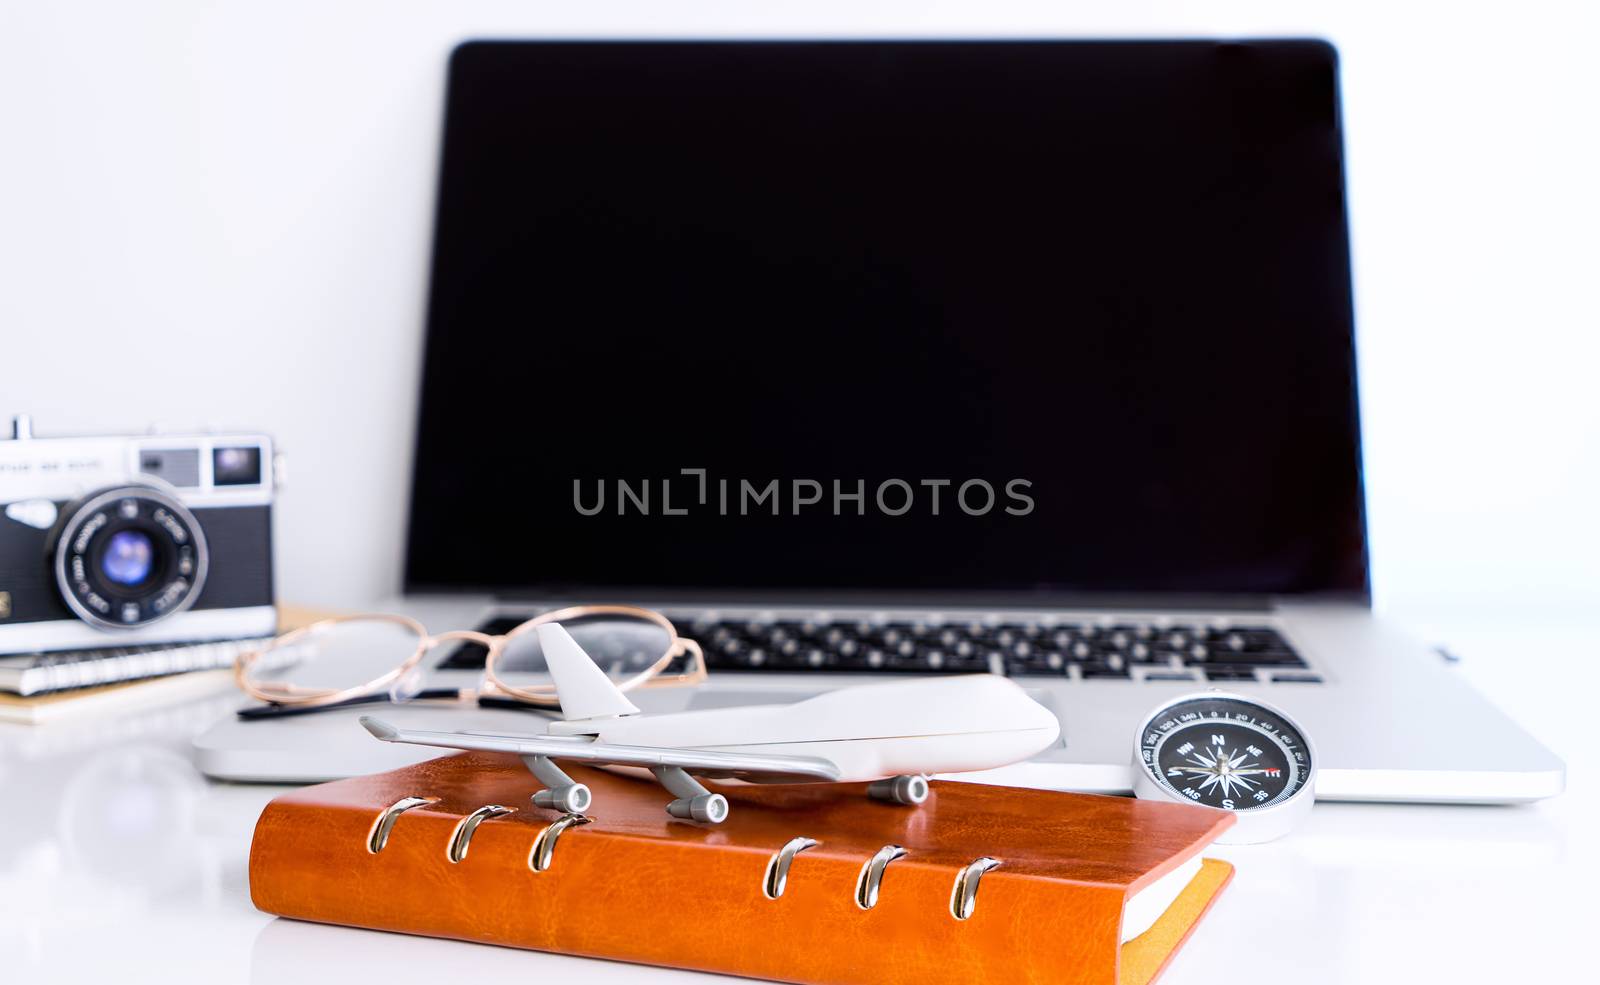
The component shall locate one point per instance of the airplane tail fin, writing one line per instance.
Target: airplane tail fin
(582, 687)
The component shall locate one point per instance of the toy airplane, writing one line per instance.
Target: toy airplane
(893, 734)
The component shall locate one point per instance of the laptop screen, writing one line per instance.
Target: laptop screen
(1032, 318)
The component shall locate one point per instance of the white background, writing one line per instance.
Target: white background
(219, 214)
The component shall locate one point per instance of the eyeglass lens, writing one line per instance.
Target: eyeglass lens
(340, 655)
(620, 645)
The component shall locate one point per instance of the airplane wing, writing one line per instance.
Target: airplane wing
(701, 762)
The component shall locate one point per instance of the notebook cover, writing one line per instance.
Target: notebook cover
(638, 885)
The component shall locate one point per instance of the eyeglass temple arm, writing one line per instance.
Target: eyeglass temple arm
(256, 712)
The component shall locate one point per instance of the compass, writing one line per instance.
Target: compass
(1231, 753)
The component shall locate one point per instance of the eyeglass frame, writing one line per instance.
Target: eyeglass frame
(538, 695)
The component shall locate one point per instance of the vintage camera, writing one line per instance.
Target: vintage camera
(157, 538)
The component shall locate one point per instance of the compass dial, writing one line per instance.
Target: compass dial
(1225, 751)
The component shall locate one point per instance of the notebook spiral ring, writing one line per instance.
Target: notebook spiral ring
(872, 875)
(379, 835)
(461, 838)
(964, 894)
(541, 855)
(777, 877)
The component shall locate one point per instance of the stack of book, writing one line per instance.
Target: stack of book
(40, 687)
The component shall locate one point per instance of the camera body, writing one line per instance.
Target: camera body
(112, 540)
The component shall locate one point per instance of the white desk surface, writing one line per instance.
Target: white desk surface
(118, 862)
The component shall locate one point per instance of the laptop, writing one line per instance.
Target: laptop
(865, 358)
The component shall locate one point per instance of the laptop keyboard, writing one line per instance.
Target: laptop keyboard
(1085, 651)
(1081, 651)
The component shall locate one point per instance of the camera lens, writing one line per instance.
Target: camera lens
(128, 557)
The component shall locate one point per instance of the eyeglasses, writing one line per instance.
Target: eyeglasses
(376, 657)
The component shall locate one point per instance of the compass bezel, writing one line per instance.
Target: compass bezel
(1256, 823)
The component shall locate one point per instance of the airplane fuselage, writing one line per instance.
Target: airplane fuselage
(918, 726)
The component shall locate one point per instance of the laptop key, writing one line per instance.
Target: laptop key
(1141, 652)
(892, 636)
(1036, 663)
(816, 657)
(1103, 670)
(1137, 631)
(908, 664)
(1282, 658)
(1230, 674)
(1260, 638)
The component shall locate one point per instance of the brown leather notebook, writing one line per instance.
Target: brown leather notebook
(411, 850)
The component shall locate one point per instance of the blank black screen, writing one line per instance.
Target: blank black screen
(1116, 271)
